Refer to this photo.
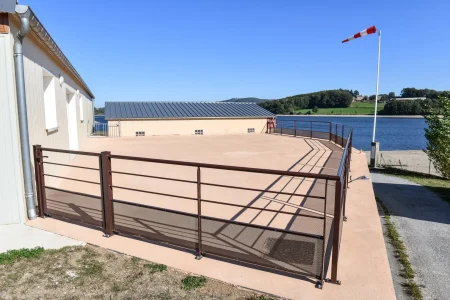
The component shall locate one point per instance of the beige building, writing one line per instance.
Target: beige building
(42, 93)
(185, 118)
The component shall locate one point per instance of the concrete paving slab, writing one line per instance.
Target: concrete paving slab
(17, 236)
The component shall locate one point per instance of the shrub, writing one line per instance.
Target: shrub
(438, 136)
(193, 282)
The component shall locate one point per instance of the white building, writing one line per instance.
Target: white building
(59, 105)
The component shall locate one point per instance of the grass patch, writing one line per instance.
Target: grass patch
(438, 185)
(394, 238)
(13, 255)
(356, 108)
(155, 267)
(90, 272)
(193, 282)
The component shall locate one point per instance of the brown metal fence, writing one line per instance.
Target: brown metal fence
(337, 133)
(305, 247)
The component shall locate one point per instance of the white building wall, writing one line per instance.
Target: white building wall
(36, 59)
(12, 208)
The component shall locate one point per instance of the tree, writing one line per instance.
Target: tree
(372, 98)
(438, 136)
(315, 109)
(391, 95)
(99, 110)
(383, 97)
(355, 93)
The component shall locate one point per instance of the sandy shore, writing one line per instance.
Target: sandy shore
(413, 160)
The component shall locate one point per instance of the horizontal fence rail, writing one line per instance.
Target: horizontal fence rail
(305, 247)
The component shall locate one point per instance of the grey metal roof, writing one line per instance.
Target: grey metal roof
(183, 110)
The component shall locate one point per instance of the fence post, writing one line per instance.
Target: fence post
(281, 126)
(107, 193)
(295, 128)
(342, 140)
(310, 129)
(40, 180)
(322, 272)
(336, 232)
(199, 212)
(331, 129)
(335, 136)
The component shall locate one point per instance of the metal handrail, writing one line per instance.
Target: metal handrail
(344, 154)
(225, 167)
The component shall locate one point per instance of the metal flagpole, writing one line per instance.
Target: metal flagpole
(374, 145)
(378, 80)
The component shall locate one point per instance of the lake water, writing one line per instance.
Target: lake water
(100, 119)
(392, 133)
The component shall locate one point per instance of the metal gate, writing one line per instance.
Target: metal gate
(103, 129)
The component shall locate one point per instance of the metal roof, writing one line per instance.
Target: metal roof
(183, 110)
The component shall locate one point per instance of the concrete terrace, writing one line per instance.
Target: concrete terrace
(363, 265)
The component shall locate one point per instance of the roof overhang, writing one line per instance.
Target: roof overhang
(43, 36)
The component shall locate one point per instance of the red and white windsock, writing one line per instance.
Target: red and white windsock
(367, 31)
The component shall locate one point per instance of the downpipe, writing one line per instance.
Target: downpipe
(24, 14)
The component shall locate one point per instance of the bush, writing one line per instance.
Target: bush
(438, 136)
(315, 109)
(193, 282)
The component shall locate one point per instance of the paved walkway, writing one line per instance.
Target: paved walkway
(423, 222)
(19, 236)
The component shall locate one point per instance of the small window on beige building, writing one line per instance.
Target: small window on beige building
(199, 131)
(250, 130)
(140, 133)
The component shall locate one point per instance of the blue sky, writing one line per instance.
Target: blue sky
(204, 50)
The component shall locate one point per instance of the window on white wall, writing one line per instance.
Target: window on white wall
(80, 99)
(51, 121)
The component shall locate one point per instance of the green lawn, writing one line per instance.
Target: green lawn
(356, 108)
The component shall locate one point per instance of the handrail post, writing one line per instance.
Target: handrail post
(335, 136)
(199, 213)
(107, 193)
(295, 128)
(281, 126)
(319, 284)
(40, 180)
(336, 231)
(331, 129)
(342, 140)
(310, 129)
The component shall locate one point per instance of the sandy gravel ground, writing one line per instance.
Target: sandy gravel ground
(423, 222)
(95, 273)
(411, 160)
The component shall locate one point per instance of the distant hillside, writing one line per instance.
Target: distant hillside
(289, 105)
(249, 99)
